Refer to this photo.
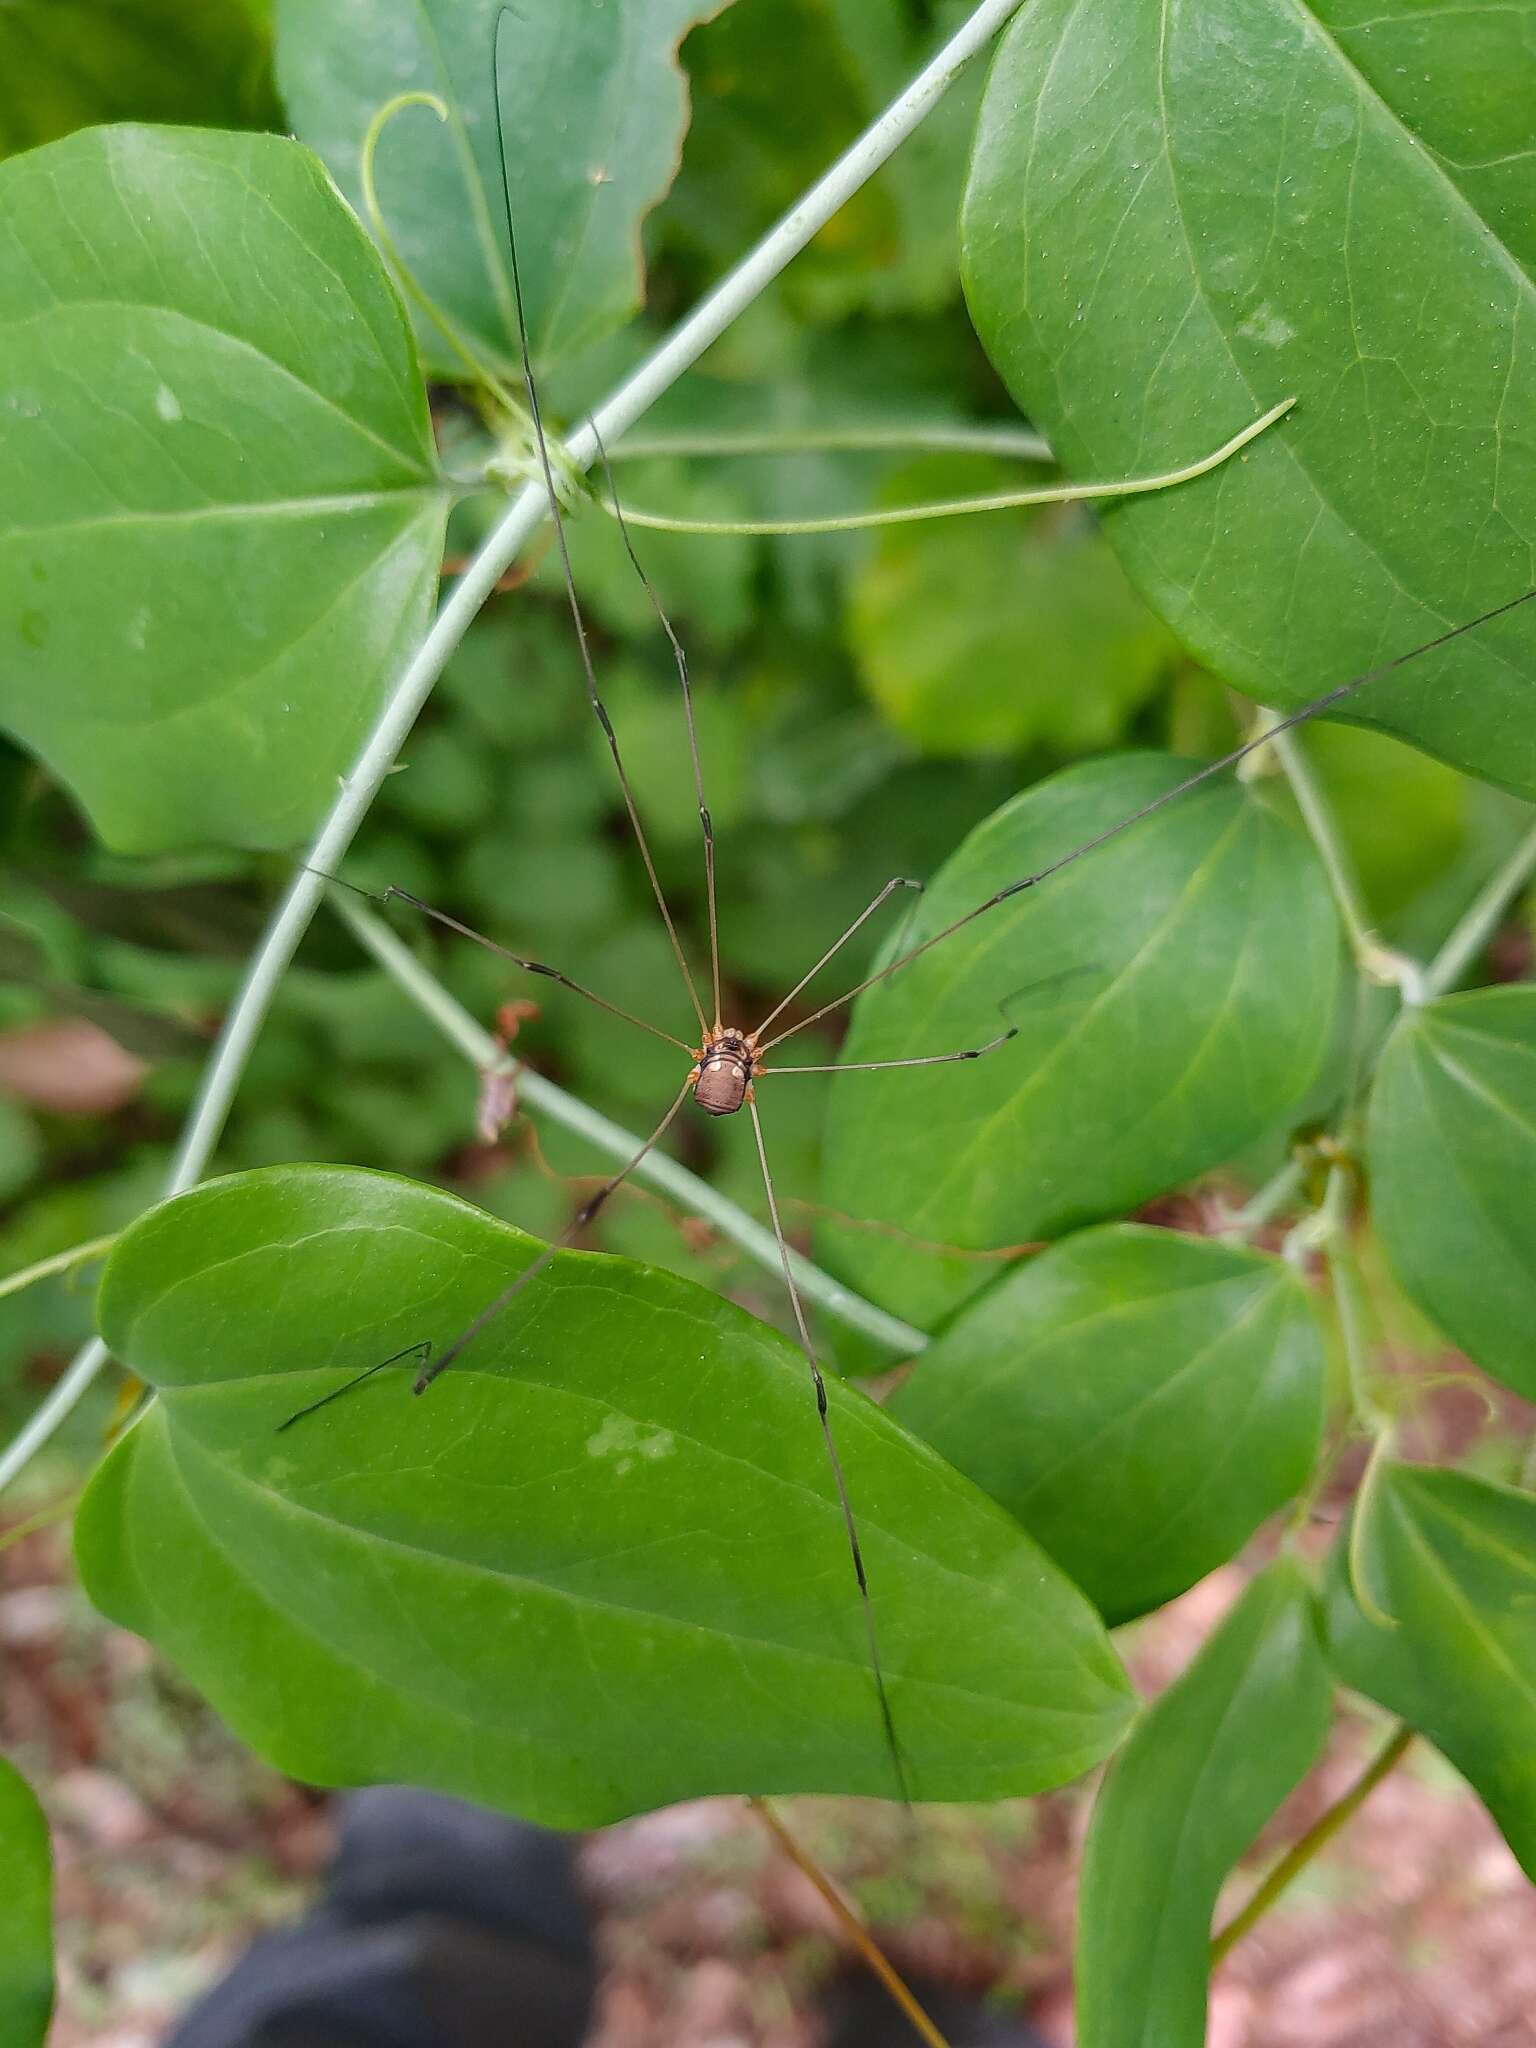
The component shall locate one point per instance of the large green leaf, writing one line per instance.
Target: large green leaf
(220, 522)
(594, 106)
(1451, 1561)
(1180, 214)
(1452, 1152)
(1018, 629)
(1192, 970)
(1207, 1766)
(26, 1915)
(67, 63)
(600, 1566)
(1139, 1400)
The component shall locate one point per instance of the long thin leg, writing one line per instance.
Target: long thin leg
(932, 1059)
(430, 1367)
(849, 1525)
(423, 1351)
(706, 823)
(467, 931)
(584, 1215)
(558, 519)
(837, 945)
(1286, 724)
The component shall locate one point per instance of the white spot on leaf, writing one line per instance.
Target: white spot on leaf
(623, 1440)
(1265, 325)
(168, 405)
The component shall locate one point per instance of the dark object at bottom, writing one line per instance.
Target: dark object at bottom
(443, 1926)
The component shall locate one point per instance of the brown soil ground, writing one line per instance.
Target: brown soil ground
(1415, 1929)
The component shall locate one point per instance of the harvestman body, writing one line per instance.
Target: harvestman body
(729, 1063)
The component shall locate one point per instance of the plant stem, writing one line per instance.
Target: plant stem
(1015, 443)
(1480, 921)
(1377, 962)
(952, 508)
(1301, 1852)
(656, 374)
(59, 1263)
(851, 1924)
(1349, 1298)
(460, 1028)
(1263, 1206)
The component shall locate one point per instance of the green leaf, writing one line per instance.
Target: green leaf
(1208, 1764)
(221, 521)
(779, 90)
(1179, 216)
(1011, 630)
(1452, 1151)
(21, 1150)
(1452, 1561)
(599, 1567)
(594, 107)
(1190, 972)
(65, 64)
(1139, 1400)
(26, 1915)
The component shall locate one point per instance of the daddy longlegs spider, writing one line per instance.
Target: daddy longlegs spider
(729, 1063)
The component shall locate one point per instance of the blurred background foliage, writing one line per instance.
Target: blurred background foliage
(863, 700)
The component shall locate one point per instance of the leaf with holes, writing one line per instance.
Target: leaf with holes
(599, 1567)
(579, 190)
(1190, 969)
(1179, 215)
(1139, 1400)
(220, 517)
(1450, 1562)
(1452, 1151)
(1206, 1767)
(26, 1916)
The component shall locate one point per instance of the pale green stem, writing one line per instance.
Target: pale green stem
(1481, 920)
(1277, 1193)
(674, 1181)
(41, 1520)
(479, 371)
(1349, 1301)
(1302, 1851)
(634, 397)
(60, 1262)
(1338, 1251)
(1013, 443)
(1377, 962)
(953, 508)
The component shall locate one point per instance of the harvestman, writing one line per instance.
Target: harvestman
(728, 1063)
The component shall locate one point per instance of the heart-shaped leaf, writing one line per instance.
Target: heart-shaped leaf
(1206, 1767)
(1190, 970)
(220, 521)
(1139, 1400)
(1451, 1562)
(1178, 216)
(593, 104)
(26, 1915)
(67, 63)
(600, 1566)
(1453, 1155)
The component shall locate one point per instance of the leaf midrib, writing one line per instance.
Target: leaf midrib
(413, 463)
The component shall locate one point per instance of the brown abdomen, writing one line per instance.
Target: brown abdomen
(721, 1088)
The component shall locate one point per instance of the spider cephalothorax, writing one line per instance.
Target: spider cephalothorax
(722, 1080)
